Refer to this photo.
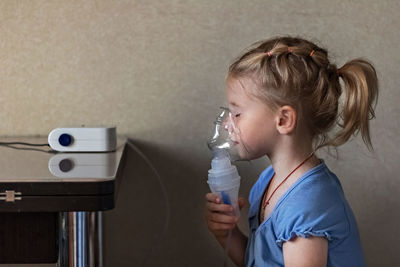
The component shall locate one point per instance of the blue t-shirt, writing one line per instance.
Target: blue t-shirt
(314, 205)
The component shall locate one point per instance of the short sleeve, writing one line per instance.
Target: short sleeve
(314, 208)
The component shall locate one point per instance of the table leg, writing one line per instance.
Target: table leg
(80, 239)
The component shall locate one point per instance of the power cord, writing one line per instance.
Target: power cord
(22, 143)
(15, 145)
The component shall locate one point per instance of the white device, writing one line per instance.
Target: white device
(83, 139)
(83, 165)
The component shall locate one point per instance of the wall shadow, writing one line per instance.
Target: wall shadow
(158, 221)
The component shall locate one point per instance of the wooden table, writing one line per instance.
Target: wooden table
(51, 203)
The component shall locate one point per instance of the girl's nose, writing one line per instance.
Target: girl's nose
(232, 126)
(227, 124)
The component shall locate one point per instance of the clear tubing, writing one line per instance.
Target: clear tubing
(166, 199)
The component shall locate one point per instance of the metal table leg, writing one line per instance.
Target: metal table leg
(80, 239)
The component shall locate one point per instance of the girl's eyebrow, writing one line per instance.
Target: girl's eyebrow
(233, 104)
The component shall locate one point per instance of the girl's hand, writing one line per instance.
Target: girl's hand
(219, 217)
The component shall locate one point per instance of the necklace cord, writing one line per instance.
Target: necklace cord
(284, 180)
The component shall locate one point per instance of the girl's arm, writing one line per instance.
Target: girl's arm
(307, 252)
(237, 246)
(219, 223)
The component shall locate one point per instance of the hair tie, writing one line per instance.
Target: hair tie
(289, 49)
(312, 53)
(269, 53)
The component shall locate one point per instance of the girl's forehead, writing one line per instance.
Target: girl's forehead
(240, 88)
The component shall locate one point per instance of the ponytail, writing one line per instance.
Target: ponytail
(361, 93)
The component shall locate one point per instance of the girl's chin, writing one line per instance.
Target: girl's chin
(243, 155)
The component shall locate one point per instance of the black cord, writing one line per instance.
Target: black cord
(13, 146)
(21, 143)
(29, 148)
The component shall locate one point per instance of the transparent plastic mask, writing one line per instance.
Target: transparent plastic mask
(225, 136)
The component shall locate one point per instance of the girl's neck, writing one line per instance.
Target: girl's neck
(289, 156)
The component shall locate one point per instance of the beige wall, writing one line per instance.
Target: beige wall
(156, 69)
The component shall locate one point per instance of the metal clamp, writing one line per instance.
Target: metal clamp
(10, 196)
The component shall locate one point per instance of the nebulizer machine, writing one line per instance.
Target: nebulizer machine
(223, 177)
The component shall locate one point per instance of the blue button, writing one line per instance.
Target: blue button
(65, 139)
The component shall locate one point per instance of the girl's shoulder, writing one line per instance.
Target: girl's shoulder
(315, 205)
(317, 183)
(317, 190)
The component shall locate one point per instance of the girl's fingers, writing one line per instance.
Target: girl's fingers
(221, 218)
(214, 204)
(211, 197)
(218, 207)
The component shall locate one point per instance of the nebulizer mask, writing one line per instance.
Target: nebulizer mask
(223, 177)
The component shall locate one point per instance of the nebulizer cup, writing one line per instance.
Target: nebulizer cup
(223, 177)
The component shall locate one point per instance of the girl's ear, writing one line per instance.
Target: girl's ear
(285, 119)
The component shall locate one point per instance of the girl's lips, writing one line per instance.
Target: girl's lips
(235, 142)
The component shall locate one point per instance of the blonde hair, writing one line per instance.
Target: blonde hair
(296, 72)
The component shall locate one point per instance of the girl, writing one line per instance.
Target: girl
(284, 96)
